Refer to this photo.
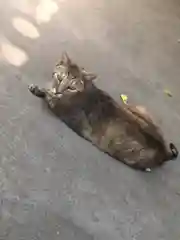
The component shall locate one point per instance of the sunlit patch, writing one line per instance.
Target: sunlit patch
(26, 28)
(45, 10)
(13, 54)
(25, 6)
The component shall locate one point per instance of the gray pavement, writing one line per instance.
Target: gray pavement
(53, 184)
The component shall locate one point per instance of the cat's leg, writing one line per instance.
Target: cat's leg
(36, 91)
(141, 112)
(46, 94)
(42, 92)
(55, 83)
(146, 121)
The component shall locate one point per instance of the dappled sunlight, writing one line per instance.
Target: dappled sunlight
(26, 28)
(25, 6)
(45, 10)
(41, 11)
(12, 54)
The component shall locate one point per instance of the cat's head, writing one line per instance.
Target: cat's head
(70, 77)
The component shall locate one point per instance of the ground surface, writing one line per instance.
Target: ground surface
(53, 184)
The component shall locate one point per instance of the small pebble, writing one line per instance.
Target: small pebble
(47, 170)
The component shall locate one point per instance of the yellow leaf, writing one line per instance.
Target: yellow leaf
(124, 98)
(167, 92)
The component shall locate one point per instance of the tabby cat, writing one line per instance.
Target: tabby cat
(127, 133)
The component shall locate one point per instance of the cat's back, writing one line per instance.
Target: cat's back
(118, 131)
(100, 104)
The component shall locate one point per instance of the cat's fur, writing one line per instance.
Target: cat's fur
(127, 133)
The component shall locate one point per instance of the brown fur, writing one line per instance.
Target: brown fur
(127, 133)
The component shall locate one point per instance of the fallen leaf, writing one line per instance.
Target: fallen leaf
(168, 93)
(124, 98)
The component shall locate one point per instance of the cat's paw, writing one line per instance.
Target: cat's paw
(33, 88)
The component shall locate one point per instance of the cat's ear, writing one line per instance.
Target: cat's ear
(65, 59)
(88, 76)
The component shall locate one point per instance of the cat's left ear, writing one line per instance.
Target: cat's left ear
(65, 60)
(88, 76)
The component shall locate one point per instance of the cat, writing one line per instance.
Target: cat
(127, 133)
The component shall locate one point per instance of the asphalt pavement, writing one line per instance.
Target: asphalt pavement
(53, 184)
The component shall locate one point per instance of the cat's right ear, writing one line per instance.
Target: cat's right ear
(65, 60)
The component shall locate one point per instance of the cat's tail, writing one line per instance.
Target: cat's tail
(35, 90)
(173, 151)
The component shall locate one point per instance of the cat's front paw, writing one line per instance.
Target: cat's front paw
(33, 88)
